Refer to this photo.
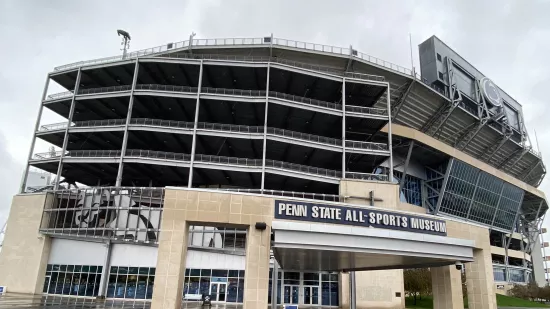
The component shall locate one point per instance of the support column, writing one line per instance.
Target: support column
(406, 167)
(66, 138)
(447, 287)
(128, 118)
(352, 291)
(105, 271)
(274, 283)
(344, 127)
(265, 126)
(479, 280)
(194, 143)
(33, 140)
(256, 276)
(388, 106)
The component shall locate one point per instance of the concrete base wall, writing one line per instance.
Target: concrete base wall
(25, 251)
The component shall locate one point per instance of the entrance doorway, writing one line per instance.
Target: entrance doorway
(291, 294)
(218, 291)
(47, 284)
(311, 295)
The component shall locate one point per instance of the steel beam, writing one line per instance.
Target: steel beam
(402, 180)
(514, 157)
(274, 283)
(402, 99)
(344, 128)
(388, 106)
(473, 194)
(194, 142)
(264, 150)
(464, 139)
(493, 149)
(528, 171)
(33, 140)
(444, 186)
(497, 206)
(118, 182)
(69, 121)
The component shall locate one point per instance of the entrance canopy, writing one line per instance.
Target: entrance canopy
(331, 247)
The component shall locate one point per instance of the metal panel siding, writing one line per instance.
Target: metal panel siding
(134, 255)
(74, 252)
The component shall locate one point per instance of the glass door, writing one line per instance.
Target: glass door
(47, 283)
(291, 294)
(218, 291)
(311, 295)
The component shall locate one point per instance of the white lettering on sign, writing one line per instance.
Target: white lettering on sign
(358, 216)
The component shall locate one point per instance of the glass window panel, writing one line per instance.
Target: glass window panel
(133, 270)
(219, 273)
(141, 288)
(111, 285)
(241, 274)
(123, 270)
(152, 270)
(206, 272)
(195, 272)
(235, 273)
(232, 287)
(205, 285)
(143, 270)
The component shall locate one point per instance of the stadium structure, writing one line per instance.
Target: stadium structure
(214, 167)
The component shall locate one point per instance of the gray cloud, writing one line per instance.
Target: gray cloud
(506, 40)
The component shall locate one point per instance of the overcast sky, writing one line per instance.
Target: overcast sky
(509, 41)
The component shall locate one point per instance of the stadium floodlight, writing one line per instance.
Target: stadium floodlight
(125, 41)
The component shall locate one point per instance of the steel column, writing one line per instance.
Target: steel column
(264, 150)
(105, 271)
(473, 194)
(352, 291)
(128, 118)
(497, 206)
(344, 127)
(69, 121)
(402, 99)
(194, 143)
(33, 140)
(444, 185)
(274, 282)
(388, 106)
(402, 180)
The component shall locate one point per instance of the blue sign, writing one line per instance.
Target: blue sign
(218, 279)
(294, 210)
(1, 289)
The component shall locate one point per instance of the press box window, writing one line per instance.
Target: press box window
(440, 75)
(438, 57)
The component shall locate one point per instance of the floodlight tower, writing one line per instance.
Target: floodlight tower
(125, 41)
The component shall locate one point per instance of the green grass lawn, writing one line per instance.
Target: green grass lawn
(502, 301)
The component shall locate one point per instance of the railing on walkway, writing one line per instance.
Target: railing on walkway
(47, 155)
(304, 195)
(222, 127)
(159, 87)
(366, 176)
(266, 41)
(367, 110)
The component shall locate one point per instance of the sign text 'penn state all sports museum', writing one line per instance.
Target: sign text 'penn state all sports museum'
(293, 210)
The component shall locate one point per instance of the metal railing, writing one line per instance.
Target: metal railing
(366, 176)
(299, 99)
(367, 110)
(304, 136)
(367, 145)
(53, 127)
(60, 95)
(159, 87)
(93, 153)
(162, 123)
(99, 123)
(303, 168)
(229, 127)
(304, 195)
(85, 123)
(241, 41)
(47, 155)
(239, 92)
(105, 89)
(158, 155)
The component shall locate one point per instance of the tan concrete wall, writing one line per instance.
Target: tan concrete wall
(185, 207)
(447, 287)
(25, 251)
(374, 289)
(416, 135)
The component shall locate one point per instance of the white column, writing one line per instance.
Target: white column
(388, 99)
(344, 127)
(105, 271)
(33, 140)
(193, 146)
(265, 128)
(128, 118)
(69, 122)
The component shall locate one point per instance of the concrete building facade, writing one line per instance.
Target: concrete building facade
(267, 171)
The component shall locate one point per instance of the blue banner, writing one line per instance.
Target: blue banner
(301, 211)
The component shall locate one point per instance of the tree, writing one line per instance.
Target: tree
(417, 282)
